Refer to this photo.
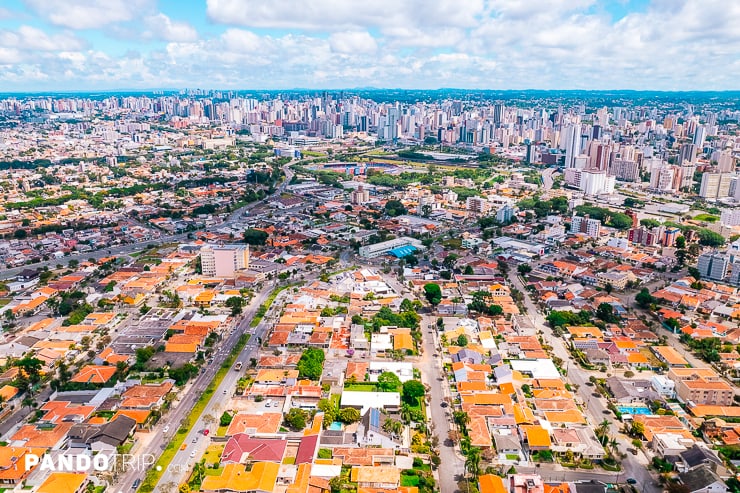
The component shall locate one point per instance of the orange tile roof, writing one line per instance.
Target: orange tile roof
(537, 436)
(94, 374)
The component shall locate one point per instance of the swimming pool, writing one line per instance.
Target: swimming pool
(634, 410)
(335, 426)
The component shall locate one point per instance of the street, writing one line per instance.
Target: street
(594, 407)
(175, 417)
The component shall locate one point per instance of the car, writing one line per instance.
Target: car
(596, 394)
(192, 454)
(606, 411)
(195, 440)
(166, 429)
(136, 484)
(443, 404)
(226, 391)
(206, 432)
(631, 481)
(435, 354)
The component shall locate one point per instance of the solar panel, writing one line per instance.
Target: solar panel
(374, 418)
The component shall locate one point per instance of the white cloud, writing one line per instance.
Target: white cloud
(30, 39)
(351, 42)
(89, 14)
(164, 28)
(671, 44)
(337, 15)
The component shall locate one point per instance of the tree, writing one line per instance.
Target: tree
(644, 299)
(524, 269)
(296, 418)
(462, 340)
(395, 208)
(449, 261)
(495, 310)
(472, 461)
(605, 312)
(392, 426)
(311, 364)
(236, 303)
(709, 238)
(694, 272)
(255, 237)
(468, 270)
(388, 382)
(349, 415)
(20, 234)
(412, 391)
(433, 293)
(608, 287)
(31, 367)
(680, 242)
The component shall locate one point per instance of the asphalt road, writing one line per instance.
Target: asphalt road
(173, 419)
(432, 374)
(595, 407)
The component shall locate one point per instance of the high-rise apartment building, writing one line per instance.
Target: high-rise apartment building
(223, 260)
(713, 266)
(585, 225)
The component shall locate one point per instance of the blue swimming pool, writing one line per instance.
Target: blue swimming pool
(634, 410)
(335, 426)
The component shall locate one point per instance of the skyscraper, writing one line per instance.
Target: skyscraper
(572, 144)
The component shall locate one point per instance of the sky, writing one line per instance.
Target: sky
(88, 45)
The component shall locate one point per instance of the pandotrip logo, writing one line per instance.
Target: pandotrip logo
(90, 464)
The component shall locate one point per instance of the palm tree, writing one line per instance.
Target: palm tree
(392, 426)
(472, 461)
(614, 445)
(406, 413)
(602, 430)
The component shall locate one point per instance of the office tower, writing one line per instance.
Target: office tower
(223, 260)
(713, 266)
(572, 144)
(699, 136)
(498, 113)
(599, 156)
(687, 154)
(585, 225)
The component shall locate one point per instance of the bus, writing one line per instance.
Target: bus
(238, 366)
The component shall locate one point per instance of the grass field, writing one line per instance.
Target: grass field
(708, 218)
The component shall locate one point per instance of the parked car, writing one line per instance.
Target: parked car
(631, 481)
(206, 432)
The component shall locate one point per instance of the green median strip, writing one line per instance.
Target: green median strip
(268, 303)
(155, 473)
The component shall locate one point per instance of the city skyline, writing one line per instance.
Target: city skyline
(78, 45)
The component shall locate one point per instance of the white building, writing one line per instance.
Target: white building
(378, 249)
(586, 225)
(730, 217)
(223, 260)
(664, 386)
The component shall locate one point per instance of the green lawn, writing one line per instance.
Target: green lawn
(409, 480)
(710, 218)
(361, 387)
(153, 475)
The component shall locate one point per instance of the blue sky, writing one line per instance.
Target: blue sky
(487, 44)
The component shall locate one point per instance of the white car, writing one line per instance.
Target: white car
(192, 454)
(166, 429)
